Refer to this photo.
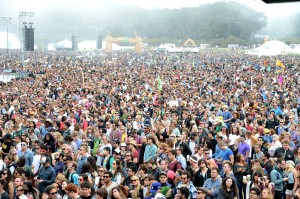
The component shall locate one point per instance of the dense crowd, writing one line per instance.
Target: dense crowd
(216, 125)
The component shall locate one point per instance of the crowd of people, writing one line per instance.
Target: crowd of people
(209, 125)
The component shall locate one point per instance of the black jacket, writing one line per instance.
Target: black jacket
(289, 155)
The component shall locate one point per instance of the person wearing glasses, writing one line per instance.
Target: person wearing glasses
(51, 193)
(135, 190)
(186, 182)
(254, 193)
(201, 193)
(83, 150)
(109, 184)
(72, 191)
(21, 191)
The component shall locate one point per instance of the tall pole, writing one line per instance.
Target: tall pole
(7, 20)
(91, 28)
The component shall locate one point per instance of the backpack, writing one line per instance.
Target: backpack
(72, 181)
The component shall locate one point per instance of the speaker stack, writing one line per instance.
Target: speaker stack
(28, 38)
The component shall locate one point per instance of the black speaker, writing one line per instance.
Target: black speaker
(99, 42)
(28, 39)
(74, 42)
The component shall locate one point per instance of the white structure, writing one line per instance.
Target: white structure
(271, 48)
(296, 50)
(168, 47)
(87, 45)
(64, 44)
(13, 41)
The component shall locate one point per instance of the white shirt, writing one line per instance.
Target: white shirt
(36, 163)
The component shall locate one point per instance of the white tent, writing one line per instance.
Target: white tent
(13, 41)
(296, 50)
(87, 45)
(63, 44)
(271, 48)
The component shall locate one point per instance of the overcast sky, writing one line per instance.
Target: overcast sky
(271, 10)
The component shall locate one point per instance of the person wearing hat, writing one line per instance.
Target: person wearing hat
(132, 148)
(7, 144)
(164, 185)
(201, 193)
(267, 136)
(153, 190)
(254, 193)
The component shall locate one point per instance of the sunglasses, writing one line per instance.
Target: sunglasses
(105, 176)
(101, 170)
(20, 189)
(133, 180)
(3, 173)
(54, 193)
(200, 192)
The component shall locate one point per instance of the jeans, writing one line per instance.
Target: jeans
(242, 189)
(278, 194)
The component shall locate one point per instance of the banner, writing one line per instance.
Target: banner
(280, 64)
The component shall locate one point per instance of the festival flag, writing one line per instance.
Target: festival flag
(280, 64)
(159, 83)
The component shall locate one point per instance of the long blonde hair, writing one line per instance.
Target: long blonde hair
(136, 190)
(270, 195)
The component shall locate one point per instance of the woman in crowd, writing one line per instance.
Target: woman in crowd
(118, 176)
(117, 193)
(266, 183)
(255, 182)
(33, 193)
(228, 189)
(266, 194)
(101, 193)
(240, 170)
(7, 176)
(291, 173)
(136, 192)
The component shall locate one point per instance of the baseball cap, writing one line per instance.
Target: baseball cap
(154, 187)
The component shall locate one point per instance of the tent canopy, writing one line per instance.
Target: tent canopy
(271, 48)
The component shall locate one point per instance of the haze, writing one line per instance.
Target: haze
(86, 9)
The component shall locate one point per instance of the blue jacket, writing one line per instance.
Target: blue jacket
(80, 163)
(214, 186)
(47, 174)
(277, 177)
(150, 152)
